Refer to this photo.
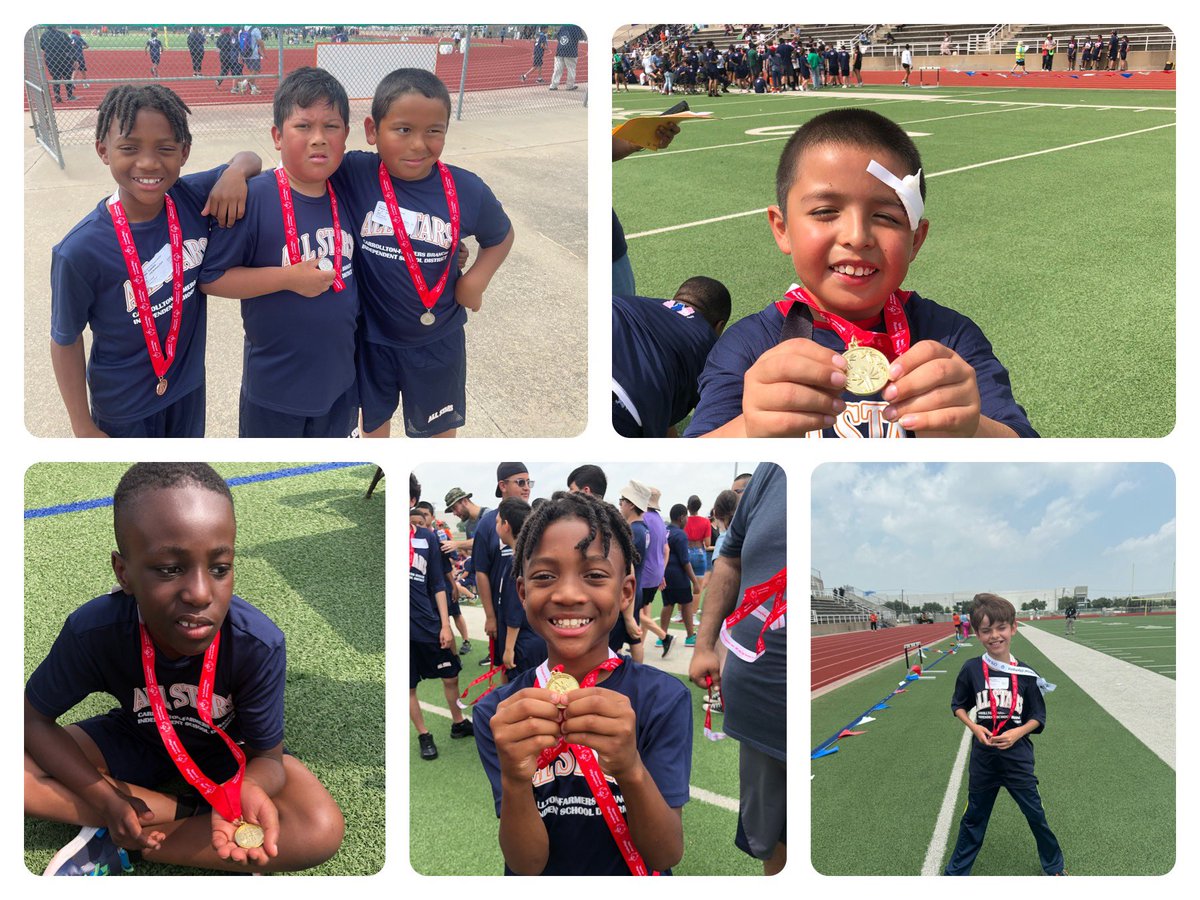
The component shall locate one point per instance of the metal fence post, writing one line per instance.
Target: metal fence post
(462, 82)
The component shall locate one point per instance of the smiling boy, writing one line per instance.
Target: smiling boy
(847, 352)
(1008, 704)
(143, 305)
(172, 628)
(410, 211)
(290, 262)
(573, 564)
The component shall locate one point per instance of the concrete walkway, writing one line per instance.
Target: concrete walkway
(1141, 700)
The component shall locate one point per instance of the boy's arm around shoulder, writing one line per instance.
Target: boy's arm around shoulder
(227, 200)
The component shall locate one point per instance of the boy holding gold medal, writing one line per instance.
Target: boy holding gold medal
(589, 755)
(847, 352)
(199, 674)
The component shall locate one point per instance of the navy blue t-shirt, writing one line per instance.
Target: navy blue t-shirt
(530, 648)
(659, 349)
(299, 351)
(580, 842)
(676, 571)
(991, 767)
(641, 543)
(494, 560)
(99, 651)
(425, 579)
(568, 39)
(741, 344)
(89, 287)
(391, 307)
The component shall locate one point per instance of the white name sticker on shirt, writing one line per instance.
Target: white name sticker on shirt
(158, 270)
(381, 217)
(420, 543)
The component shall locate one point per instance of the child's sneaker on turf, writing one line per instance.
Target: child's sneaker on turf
(666, 643)
(464, 647)
(689, 641)
(91, 852)
(462, 729)
(428, 750)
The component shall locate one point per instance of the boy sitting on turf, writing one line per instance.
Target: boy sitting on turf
(540, 742)
(1008, 703)
(289, 259)
(523, 647)
(145, 381)
(430, 641)
(412, 346)
(850, 354)
(173, 621)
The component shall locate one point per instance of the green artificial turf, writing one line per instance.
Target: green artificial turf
(1109, 800)
(1146, 641)
(453, 825)
(1065, 259)
(310, 554)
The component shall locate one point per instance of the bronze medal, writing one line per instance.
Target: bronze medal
(561, 683)
(161, 387)
(248, 836)
(866, 370)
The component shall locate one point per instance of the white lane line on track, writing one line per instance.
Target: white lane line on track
(945, 819)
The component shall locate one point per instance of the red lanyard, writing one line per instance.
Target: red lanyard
(592, 774)
(486, 676)
(141, 294)
(708, 732)
(225, 798)
(892, 344)
(755, 597)
(428, 297)
(290, 232)
(1012, 700)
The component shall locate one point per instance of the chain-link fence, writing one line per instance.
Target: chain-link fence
(228, 74)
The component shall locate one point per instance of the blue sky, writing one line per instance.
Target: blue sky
(960, 527)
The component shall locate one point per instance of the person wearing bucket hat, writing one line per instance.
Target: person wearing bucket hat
(493, 560)
(459, 503)
(635, 498)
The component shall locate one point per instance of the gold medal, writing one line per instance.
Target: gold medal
(248, 836)
(561, 682)
(866, 370)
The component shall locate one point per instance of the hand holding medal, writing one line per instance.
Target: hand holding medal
(933, 392)
(252, 837)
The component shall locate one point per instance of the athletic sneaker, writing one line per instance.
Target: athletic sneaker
(689, 641)
(428, 750)
(462, 729)
(666, 643)
(486, 661)
(91, 852)
(659, 642)
(464, 647)
(254, 89)
(678, 619)
(523, 77)
(715, 704)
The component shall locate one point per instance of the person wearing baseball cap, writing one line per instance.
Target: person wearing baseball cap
(512, 480)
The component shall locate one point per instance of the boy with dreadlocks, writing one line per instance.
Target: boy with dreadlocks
(589, 754)
(128, 272)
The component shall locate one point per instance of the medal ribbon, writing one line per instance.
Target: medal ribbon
(486, 676)
(774, 588)
(891, 344)
(137, 281)
(225, 798)
(1043, 685)
(1012, 700)
(708, 732)
(290, 232)
(592, 774)
(428, 297)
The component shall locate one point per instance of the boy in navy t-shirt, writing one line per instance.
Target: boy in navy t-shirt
(1008, 704)
(848, 353)
(659, 349)
(294, 275)
(142, 136)
(412, 347)
(523, 647)
(628, 726)
(173, 615)
(430, 641)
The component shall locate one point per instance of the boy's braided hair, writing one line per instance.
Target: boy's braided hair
(142, 478)
(604, 521)
(123, 103)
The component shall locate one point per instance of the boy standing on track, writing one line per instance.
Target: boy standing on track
(1009, 707)
(849, 353)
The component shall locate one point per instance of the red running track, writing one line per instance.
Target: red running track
(839, 656)
(1109, 81)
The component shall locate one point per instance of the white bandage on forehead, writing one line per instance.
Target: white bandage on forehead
(908, 189)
